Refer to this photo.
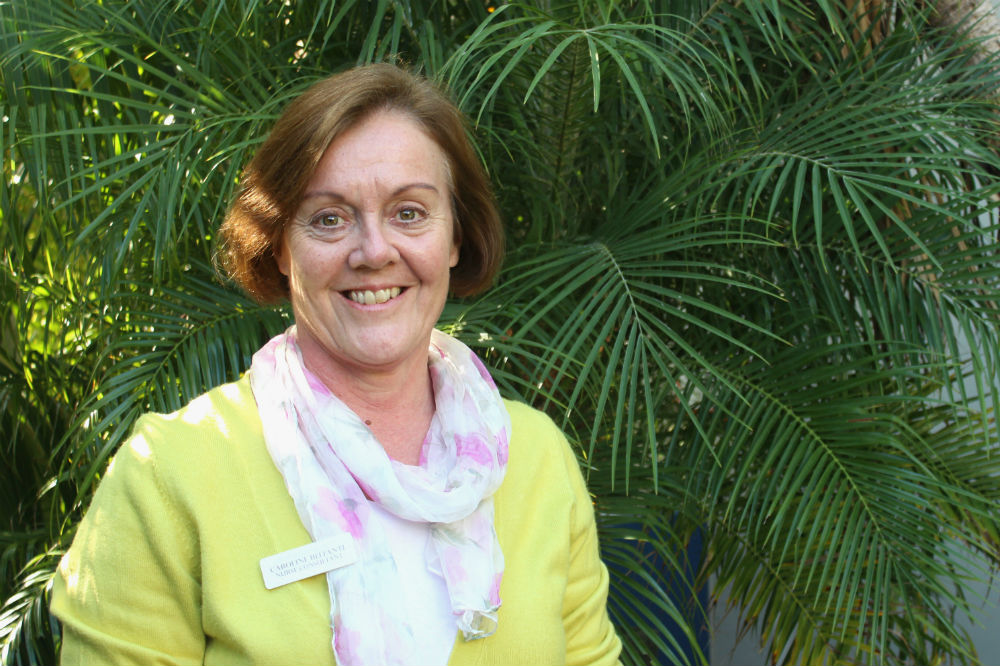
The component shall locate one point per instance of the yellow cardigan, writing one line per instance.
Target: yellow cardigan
(165, 566)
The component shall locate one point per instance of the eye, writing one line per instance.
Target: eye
(327, 220)
(409, 214)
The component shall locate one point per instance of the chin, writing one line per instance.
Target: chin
(383, 356)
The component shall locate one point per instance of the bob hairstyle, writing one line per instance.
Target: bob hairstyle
(275, 179)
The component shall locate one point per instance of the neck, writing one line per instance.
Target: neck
(397, 403)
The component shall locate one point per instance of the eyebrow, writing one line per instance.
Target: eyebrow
(395, 193)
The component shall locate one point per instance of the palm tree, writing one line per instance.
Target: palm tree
(753, 274)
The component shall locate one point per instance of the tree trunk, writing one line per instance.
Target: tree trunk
(982, 17)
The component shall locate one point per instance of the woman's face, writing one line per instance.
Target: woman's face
(369, 250)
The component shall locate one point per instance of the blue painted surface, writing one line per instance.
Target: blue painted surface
(694, 609)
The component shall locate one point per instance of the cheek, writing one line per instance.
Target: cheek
(306, 263)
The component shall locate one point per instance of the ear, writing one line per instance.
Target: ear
(281, 258)
(456, 237)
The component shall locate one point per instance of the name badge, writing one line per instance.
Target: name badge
(307, 561)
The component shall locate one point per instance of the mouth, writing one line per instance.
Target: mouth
(369, 297)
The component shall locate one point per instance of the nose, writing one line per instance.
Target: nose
(373, 249)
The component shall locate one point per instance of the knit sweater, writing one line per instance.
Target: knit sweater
(165, 565)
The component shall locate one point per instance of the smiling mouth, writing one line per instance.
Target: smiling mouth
(368, 297)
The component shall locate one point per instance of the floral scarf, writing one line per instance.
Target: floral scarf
(332, 464)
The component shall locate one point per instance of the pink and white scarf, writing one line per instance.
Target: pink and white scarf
(332, 464)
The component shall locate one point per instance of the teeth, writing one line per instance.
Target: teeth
(369, 297)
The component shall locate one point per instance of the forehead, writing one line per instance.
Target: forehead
(384, 146)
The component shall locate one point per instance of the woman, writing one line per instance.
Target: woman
(450, 526)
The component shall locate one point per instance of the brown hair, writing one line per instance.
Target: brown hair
(276, 177)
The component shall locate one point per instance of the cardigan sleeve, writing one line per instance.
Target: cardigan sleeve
(590, 636)
(128, 591)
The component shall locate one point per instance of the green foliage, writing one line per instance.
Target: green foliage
(753, 273)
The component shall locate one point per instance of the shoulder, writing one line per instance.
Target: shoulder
(213, 437)
(540, 454)
(527, 416)
(210, 425)
(226, 409)
(534, 433)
